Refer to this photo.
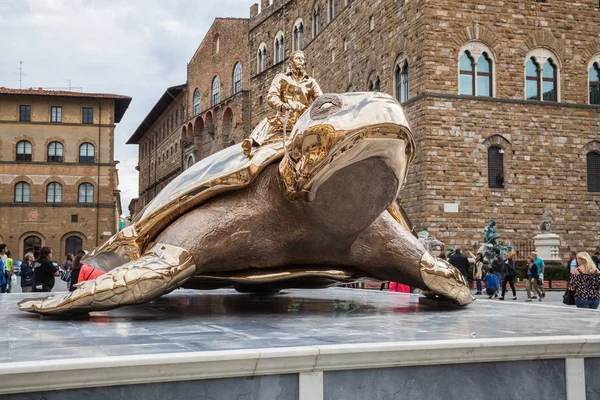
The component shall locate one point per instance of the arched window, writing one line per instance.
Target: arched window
(86, 193)
(279, 48)
(22, 192)
(24, 151)
(196, 102)
(216, 91)
(549, 81)
(55, 152)
(32, 244)
(86, 153)
(298, 38)
(476, 69)
(374, 83)
(261, 58)
(330, 10)
(532, 77)
(542, 75)
(316, 22)
(190, 162)
(467, 74)
(401, 81)
(54, 193)
(73, 245)
(237, 77)
(593, 171)
(595, 83)
(496, 167)
(484, 76)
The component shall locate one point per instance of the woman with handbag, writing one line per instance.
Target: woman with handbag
(585, 282)
(27, 273)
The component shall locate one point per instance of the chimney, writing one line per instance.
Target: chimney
(254, 10)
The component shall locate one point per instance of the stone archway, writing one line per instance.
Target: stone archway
(227, 125)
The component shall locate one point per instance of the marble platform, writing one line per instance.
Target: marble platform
(301, 344)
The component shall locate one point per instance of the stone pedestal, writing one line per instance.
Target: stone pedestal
(546, 245)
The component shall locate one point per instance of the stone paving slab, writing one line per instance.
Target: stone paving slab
(188, 320)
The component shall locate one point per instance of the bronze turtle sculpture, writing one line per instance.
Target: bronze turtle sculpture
(304, 211)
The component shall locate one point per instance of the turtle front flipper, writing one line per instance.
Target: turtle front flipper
(160, 270)
(387, 251)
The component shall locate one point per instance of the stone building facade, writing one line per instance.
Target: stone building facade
(502, 98)
(159, 138)
(58, 176)
(217, 91)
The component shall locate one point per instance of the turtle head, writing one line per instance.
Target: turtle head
(340, 130)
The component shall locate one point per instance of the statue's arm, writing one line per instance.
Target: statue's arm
(315, 90)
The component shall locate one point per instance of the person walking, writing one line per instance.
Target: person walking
(596, 258)
(585, 281)
(27, 273)
(497, 264)
(531, 279)
(461, 262)
(478, 272)
(3, 259)
(541, 267)
(572, 263)
(9, 269)
(43, 274)
(509, 274)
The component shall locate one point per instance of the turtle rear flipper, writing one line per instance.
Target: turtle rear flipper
(160, 270)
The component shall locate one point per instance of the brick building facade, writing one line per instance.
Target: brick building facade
(207, 114)
(159, 138)
(58, 176)
(217, 97)
(501, 96)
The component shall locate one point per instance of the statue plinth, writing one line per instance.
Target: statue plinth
(546, 245)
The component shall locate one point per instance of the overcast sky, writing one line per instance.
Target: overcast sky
(136, 48)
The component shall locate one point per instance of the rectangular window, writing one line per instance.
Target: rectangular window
(466, 84)
(531, 89)
(88, 115)
(74, 217)
(55, 114)
(24, 113)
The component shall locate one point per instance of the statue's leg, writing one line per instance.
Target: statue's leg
(160, 270)
(388, 251)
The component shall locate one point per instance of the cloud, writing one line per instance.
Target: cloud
(136, 48)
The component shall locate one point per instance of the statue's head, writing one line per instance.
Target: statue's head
(340, 130)
(297, 60)
(492, 221)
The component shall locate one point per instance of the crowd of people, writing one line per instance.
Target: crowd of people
(37, 275)
(584, 280)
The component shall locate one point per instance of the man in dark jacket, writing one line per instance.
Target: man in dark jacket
(44, 273)
(461, 262)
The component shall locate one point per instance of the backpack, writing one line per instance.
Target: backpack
(512, 270)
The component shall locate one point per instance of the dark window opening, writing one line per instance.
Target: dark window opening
(55, 114)
(593, 171)
(496, 167)
(88, 115)
(25, 113)
(74, 218)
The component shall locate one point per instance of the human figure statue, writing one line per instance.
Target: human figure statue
(489, 233)
(546, 224)
(290, 94)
